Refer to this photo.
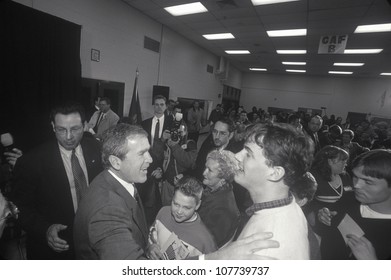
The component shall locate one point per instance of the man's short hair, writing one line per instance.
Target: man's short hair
(230, 123)
(68, 108)
(228, 165)
(283, 145)
(190, 186)
(115, 141)
(159, 97)
(317, 117)
(375, 163)
(108, 101)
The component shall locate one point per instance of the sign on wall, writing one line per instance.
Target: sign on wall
(331, 44)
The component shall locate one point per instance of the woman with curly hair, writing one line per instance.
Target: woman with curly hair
(218, 208)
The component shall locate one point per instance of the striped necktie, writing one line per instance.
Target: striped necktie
(78, 176)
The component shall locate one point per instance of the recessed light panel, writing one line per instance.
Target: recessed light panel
(347, 64)
(340, 72)
(363, 51)
(237, 52)
(293, 63)
(219, 36)
(371, 28)
(268, 2)
(385, 74)
(186, 9)
(258, 69)
(291, 51)
(287, 33)
(295, 71)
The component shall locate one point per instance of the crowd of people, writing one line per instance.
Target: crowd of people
(260, 186)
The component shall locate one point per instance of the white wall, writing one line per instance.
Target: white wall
(118, 31)
(338, 95)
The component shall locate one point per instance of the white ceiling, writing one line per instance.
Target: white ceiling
(249, 23)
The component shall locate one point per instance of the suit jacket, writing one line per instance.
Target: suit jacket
(109, 224)
(43, 195)
(109, 120)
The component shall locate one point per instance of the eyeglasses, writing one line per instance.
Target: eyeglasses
(63, 130)
(12, 210)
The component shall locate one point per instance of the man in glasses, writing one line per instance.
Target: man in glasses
(51, 180)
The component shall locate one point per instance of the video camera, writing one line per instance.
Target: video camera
(177, 127)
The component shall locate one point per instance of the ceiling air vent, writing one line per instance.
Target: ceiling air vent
(151, 44)
(226, 4)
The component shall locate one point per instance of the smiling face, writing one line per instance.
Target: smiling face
(253, 167)
(133, 168)
(183, 207)
(337, 165)
(211, 174)
(369, 190)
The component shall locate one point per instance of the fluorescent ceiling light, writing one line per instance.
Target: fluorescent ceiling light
(293, 63)
(294, 70)
(237, 52)
(258, 69)
(219, 36)
(385, 74)
(386, 27)
(267, 2)
(186, 9)
(291, 51)
(340, 72)
(347, 64)
(360, 51)
(287, 32)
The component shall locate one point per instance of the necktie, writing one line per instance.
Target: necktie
(98, 122)
(141, 216)
(157, 130)
(78, 176)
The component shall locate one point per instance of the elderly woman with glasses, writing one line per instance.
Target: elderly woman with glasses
(218, 210)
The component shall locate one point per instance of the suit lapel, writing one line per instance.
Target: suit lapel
(137, 211)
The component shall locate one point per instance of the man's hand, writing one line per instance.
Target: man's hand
(361, 247)
(245, 249)
(153, 252)
(325, 215)
(166, 135)
(157, 173)
(13, 156)
(56, 243)
(172, 143)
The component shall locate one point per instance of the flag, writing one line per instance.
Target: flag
(135, 109)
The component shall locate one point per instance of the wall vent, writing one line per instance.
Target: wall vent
(151, 44)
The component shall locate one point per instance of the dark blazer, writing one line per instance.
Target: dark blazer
(43, 195)
(109, 224)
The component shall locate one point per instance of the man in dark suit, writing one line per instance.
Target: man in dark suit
(155, 126)
(312, 129)
(103, 119)
(47, 191)
(110, 222)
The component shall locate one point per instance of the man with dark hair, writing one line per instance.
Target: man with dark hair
(368, 211)
(103, 119)
(50, 181)
(155, 126)
(273, 164)
(312, 128)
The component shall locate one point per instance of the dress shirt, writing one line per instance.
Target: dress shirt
(161, 123)
(66, 159)
(128, 186)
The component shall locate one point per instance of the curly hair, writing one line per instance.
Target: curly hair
(228, 165)
(282, 145)
(321, 166)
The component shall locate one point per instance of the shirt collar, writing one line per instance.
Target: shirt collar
(269, 204)
(78, 150)
(128, 186)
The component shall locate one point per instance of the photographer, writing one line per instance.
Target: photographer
(180, 155)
